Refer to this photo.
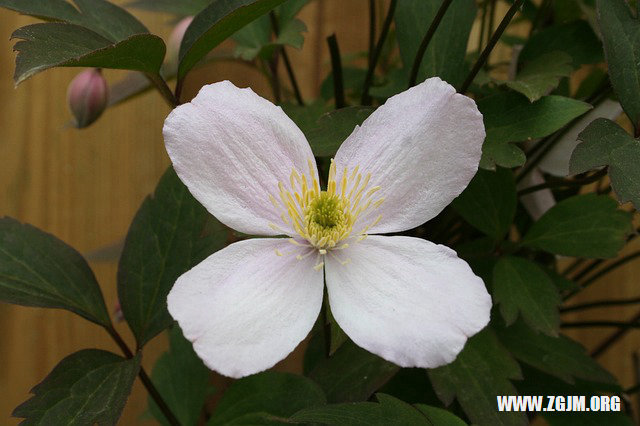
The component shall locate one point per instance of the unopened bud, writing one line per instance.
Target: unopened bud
(174, 42)
(87, 97)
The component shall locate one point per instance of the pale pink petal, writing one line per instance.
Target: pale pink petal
(422, 147)
(231, 148)
(410, 301)
(245, 307)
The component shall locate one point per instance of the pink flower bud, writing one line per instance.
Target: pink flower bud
(87, 97)
(175, 39)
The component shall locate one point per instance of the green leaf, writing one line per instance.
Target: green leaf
(182, 380)
(352, 374)
(521, 286)
(510, 117)
(334, 127)
(540, 76)
(489, 202)
(621, 39)
(100, 16)
(169, 235)
(445, 56)
(37, 269)
(588, 419)
(88, 387)
(583, 226)
(607, 144)
(576, 38)
(387, 411)
(558, 356)
(180, 8)
(43, 46)
(480, 372)
(440, 417)
(277, 394)
(215, 24)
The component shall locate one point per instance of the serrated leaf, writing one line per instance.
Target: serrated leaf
(100, 16)
(576, 38)
(215, 24)
(43, 46)
(586, 225)
(273, 393)
(540, 76)
(489, 202)
(445, 55)
(334, 127)
(182, 380)
(180, 8)
(169, 235)
(88, 387)
(480, 372)
(621, 39)
(522, 287)
(37, 269)
(510, 117)
(558, 356)
(607, 144)
(388, 410)
(351, 374)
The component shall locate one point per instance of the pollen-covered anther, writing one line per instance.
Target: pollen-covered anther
(326, 218)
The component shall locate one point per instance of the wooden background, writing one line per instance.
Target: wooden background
(85, 187)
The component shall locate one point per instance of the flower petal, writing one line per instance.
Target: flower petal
(422, 147)
(410, 301)
(245, 308)
(231, 148)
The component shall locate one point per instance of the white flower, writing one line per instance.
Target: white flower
(405, 299)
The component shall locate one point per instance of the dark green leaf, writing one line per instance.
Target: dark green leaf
(277, 394)
(44, 46)
(480, 373)
(584, 225)
(387, 411)
(577, 39)
(37, 269)
(558, 356)
(170, 234)
(445, 56)
(489, 202)
(411, 385)
(334, 127)
(588, 419)
(215, 24)
(180, 8)
(621, 38)
(352, 81)
(352, 374)
(440, 417)
(88, 387)
(510, 117)
(521, 286)
(100, 16)
(540, 76)
(607, 144)
(182, 380)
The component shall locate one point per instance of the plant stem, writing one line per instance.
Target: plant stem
(491, 44)
(593, 324)
(491, 24)
(413, 76)
(163, 88)
(366, 99)
(146, 381)
(287, 63)
(564, 183)
(576, 263)
(618, 263)
(540, 15)
(336, 69)
(606, 343)
(483, 24)
(601, 304)
(372, 29)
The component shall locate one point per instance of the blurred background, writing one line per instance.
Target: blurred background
(84, 186)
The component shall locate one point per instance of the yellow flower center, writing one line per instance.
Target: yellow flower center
(326, 219)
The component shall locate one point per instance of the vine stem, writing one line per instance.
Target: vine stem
(285, 59)
(144, 377)
(564, 183)
(366, 99)
(614, 337)
(600, 304)
(490, 45)
(163, 88)
(426, 40)
(336, 68)
(597, 275)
